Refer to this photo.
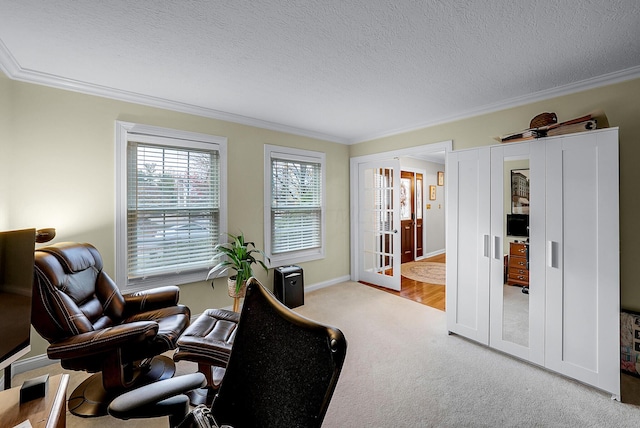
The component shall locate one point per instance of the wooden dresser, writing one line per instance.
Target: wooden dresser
(518, 273)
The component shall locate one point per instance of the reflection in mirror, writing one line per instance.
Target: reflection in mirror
(515, 313)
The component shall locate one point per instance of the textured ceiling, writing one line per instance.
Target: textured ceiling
(346, 71)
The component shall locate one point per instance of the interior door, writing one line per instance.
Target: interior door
(379, 221)
(407, 216)
(419, 216)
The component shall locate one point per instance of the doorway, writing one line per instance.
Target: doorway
(421, 244)
(411, 238)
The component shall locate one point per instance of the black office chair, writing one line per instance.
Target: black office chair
(282, 372)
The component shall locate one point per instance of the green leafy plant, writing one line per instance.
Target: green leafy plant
(239, 256)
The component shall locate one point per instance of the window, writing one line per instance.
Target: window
(170, 191)
(294, 199)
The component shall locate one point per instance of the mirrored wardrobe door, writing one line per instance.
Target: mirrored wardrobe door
(513, 317)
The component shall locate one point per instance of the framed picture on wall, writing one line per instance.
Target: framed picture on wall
(520, 191)
(440, 178)
(432, 193)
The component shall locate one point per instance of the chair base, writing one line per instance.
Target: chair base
(206, 394)
(90, 399)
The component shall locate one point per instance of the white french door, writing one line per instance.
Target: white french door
(378, 223)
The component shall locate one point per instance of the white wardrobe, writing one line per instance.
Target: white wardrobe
(569, 321)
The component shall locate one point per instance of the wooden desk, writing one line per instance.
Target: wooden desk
(49, 411)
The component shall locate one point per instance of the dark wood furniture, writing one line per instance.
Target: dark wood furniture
(518, 268)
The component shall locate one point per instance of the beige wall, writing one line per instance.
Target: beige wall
(5, 138)
(620, 102)
(57, 151)
(61, 168)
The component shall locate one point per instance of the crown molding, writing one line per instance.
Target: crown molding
(10, 66)
(8, 63)
(583, 85)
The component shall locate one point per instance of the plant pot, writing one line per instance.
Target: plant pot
(231, 285)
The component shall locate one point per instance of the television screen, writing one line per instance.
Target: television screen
(16, 280)
(517, 225)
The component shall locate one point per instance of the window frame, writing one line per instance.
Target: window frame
(170, 138)
(288, 153)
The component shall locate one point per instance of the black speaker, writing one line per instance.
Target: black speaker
(288, 285)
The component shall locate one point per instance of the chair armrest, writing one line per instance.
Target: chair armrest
(102, 341)
(149, 300)
(156, 399)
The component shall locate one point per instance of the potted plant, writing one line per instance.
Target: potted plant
(239, 256)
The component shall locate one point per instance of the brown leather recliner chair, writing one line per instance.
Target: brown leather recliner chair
(91, 326)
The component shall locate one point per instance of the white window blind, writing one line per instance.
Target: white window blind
(296, 205)
(173, 208)
(171, 194)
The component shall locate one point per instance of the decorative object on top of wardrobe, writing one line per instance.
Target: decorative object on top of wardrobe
(543, 119)
(546, 125)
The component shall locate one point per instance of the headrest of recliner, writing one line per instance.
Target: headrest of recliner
(74, 256)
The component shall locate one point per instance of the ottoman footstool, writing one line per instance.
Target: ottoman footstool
(207, 342)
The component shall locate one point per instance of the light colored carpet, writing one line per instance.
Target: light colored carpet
(515, 316)
(403, 370)
(430, 272)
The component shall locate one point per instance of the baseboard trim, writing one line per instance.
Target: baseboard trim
(329, 283)
(26, 364)
(31, 363)
(431, 254)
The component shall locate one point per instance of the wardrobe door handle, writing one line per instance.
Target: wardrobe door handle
(552, 254)
(487, 244)
(496, 247)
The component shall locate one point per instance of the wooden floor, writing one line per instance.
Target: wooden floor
(428, 294)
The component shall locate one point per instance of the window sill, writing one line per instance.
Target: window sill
(178, 279)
